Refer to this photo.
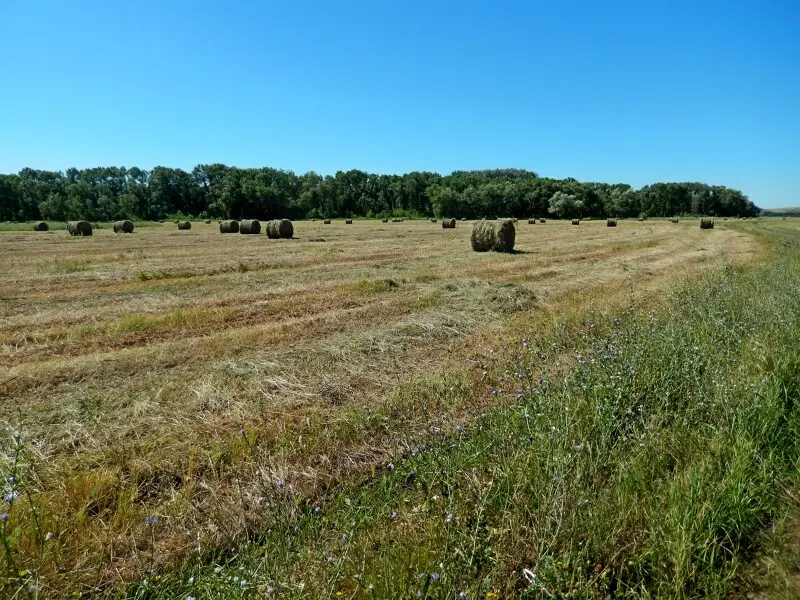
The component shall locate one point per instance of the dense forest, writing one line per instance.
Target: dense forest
(219, 191)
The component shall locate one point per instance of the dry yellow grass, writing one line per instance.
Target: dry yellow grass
(181, 374)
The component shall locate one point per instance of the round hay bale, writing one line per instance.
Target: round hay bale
(41, 226)
(184, 225)
(161, 221)
(384, 220)
(125, 226)
(531, 221)
(229, 226)
(484, 236)
(674, 219)
(706, 223)
(177, 221)
(463, 218)
(611, 222)
(433, 220)
(576, 221)
(208, 221)
(506, 236)
(250, 226)
(348, 222)
(542, 220)
(81, 228)
(280, 228)
(326, 222)
(448, 223)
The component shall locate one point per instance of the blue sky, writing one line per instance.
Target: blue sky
(632, 92)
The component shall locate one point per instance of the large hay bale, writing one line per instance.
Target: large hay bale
(463, 218)
(611, 222)
(250, 226)
(280, 228)
(79, 228)
(208, 221)
(348, 222)
(531, 221)
(448, 223)
(229, 226)
(125, 226)
(542, 220)
(384, 220)
(326, 222)
(674, 219)
(433, 220)
(41, 226)
(498, 236)
(506, 236)
(576, 221)
(706, 223)
(184, 225)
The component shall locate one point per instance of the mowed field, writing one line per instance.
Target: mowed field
(182, 375)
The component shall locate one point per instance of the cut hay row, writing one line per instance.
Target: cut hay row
(496, 236)
(280, 228)
(125, 226)
(184, 225)
(250, 227)
(79, 228)
(448, 223)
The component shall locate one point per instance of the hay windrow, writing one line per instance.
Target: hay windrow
(448, 223)
(229, 226)
(125, 226)
(184, 225)
(250, 226)
(280, 228)
(79, 228)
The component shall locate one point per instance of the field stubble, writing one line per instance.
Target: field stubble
(182, 374)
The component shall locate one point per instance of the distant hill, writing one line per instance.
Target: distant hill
(782, 212)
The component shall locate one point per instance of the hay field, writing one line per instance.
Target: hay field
(181, 374)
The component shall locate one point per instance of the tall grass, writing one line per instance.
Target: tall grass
(639, 456)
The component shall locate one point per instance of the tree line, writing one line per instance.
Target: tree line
(220, 191)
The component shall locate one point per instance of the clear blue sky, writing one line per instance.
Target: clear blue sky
(630, 91)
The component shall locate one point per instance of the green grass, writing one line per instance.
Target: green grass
(368, 287)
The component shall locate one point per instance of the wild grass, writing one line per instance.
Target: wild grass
(644, 465)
